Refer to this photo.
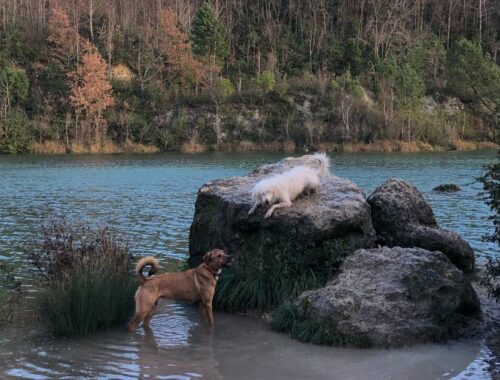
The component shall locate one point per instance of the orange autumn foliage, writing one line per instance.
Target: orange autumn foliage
(91, 91)
(178, 52)
(61, 36)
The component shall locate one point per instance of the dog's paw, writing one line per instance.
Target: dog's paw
(268, 214)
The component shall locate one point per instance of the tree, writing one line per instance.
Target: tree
(207, 34)
(347, 90)
(60, 36)
(475, 78)
(409, 91)
(14, 85)
(181, 64)
(209, 41)
(91, 94)
(219, 92)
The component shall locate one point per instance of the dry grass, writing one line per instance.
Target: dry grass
(48, 147)
(458, 144)
(132, 147)
(192, 146)
(249, 146)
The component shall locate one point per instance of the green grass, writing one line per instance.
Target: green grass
(87, 280)
(91, 296)
(263, 281)
(261, 291)
(292, 319)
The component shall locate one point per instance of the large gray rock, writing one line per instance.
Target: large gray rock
(402, 217)
(338, 212)
(393, 297)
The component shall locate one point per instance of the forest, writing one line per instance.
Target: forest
(167, 75)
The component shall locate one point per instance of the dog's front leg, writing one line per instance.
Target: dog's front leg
(252, 210)
(274, 207)
(209, 312)
(202, 313)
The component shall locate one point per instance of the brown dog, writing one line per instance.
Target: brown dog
(197, 284)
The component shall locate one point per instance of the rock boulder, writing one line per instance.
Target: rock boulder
(403, 218)
(338, 212)
(392, 297)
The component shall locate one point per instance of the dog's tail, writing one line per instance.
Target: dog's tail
(324, 163)
(149, 260)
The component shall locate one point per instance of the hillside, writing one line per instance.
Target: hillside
(124, 75)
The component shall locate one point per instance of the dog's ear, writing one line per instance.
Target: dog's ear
(207, 257)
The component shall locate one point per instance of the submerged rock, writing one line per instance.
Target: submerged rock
(402, 217)
(393, 297)
(447, 188)
(337, 212)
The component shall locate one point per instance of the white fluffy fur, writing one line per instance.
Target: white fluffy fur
(280, 190)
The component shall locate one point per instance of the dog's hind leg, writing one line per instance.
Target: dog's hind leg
(285, 203)
(149, 315)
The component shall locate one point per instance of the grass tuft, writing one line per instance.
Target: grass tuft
(292, 319)
(86, 278)
(262, 282)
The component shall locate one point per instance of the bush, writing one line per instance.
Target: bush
(86, 278)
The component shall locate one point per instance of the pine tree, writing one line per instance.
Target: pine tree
(207, 34)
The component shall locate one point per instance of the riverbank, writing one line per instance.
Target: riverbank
(380, 146)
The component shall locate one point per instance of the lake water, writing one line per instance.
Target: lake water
(150, 200)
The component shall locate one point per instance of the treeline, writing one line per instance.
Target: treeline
(96, 75)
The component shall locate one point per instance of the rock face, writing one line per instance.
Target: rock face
(393, 297)
(337, 212)
(402, 217)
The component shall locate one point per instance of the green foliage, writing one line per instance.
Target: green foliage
(207, 34)
(409, 88)
(267, 280)
(474, 78)
(86, 278)
(14, 85)
(14, 133)
(224, 88)
(491, 186)
(348, 84)
(294, 319)
(266, 81)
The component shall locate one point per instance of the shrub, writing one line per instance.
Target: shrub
(86, 279)
(265, 81)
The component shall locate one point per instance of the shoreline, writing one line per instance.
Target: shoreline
(379, 146)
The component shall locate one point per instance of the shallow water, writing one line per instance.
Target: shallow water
(177, 347)
(150, 200)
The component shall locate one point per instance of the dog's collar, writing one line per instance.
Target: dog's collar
(215, 274)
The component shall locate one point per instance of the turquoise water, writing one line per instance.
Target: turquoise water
(150, 199)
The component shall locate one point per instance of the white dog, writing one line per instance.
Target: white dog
(280, 190)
